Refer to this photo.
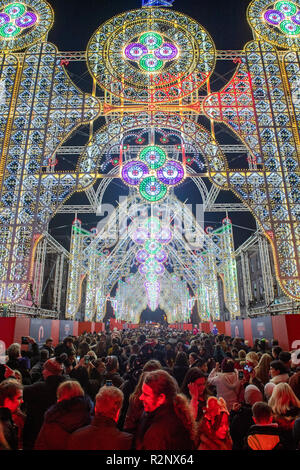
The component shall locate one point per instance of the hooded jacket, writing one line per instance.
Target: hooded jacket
(264, 437)
(227, 385)
(60, 421)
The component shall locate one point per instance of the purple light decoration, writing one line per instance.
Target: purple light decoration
(26, 20)
(134, 171)
(140, 236)
(166, 52)
(171, 173)
(161, 256)
(135, 51)
(296, 18)
(143, 269)
(4, 18)
(142, 256)
(164, 235)
(274, 17)
(159, 270)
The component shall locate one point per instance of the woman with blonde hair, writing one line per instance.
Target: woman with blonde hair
(262, 370)
(286, 408)
(252, 357)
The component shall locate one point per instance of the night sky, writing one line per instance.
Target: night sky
(75, 23)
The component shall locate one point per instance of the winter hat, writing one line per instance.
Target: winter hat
(252, 395)
(52, 367)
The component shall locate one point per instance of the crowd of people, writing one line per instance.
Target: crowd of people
(151, 388)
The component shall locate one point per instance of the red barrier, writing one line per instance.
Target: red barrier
(85, 326)
(55, 332)
(22, 328)
(188, 327)
(293, 330)
(7, 330)
(248, 331)
(99, 327)
(205, 328)
(227, 328)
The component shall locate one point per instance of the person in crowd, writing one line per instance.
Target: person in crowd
(195, 388)
(286, 409)
(276, 350)
(19, 358)
(48, 346)
(226, 382)
(102, 433)
(263, 434)
(219, 353)
(278, 374)
(167, 423)
(213, 431)
(11, 397)
(252, 358)
(135, 406)
(71, 412)
(262, 370)
(181, 366)
(286, 358)
(36, 371)
(112, 372)
(65, 347)
(131, 378)
(38, 397)
(241, 418)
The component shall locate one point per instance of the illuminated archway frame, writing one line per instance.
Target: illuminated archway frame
(218, 173)
(45, 20)
(255, 17)
(106, 63)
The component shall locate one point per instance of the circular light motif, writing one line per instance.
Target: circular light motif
(296, 18)
(150, 63)
(161, 256)
(4, 18)
(171, 173)
(164, 236)
(152, 246)
(135, 51)
(288, 27)
(15, 10)
(274, 17)
(168, 51)
(27, 20)
(133, 172)
(151, 40)
(160, 269)
(9, 30)
(154, 156)
(287, 8)
(142, 256)
(151, 277)
(140, 236)
(152, 189)
(143, 269)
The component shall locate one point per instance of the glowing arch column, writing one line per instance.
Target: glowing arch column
(74, 275)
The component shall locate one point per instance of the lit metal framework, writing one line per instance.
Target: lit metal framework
(152, 65)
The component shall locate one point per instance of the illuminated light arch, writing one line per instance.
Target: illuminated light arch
(188, 72)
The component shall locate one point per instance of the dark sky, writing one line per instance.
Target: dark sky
(76, 21)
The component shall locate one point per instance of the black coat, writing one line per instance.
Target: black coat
(38, 397)
(240, 423)
(61, 420)
(10, 430)
(163, 430)
(101, 434)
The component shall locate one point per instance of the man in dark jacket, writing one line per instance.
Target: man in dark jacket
(167, 423)
(102, 433)
(11, 397)
(264, 435)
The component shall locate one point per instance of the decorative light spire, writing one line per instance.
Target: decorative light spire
(157, 3)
